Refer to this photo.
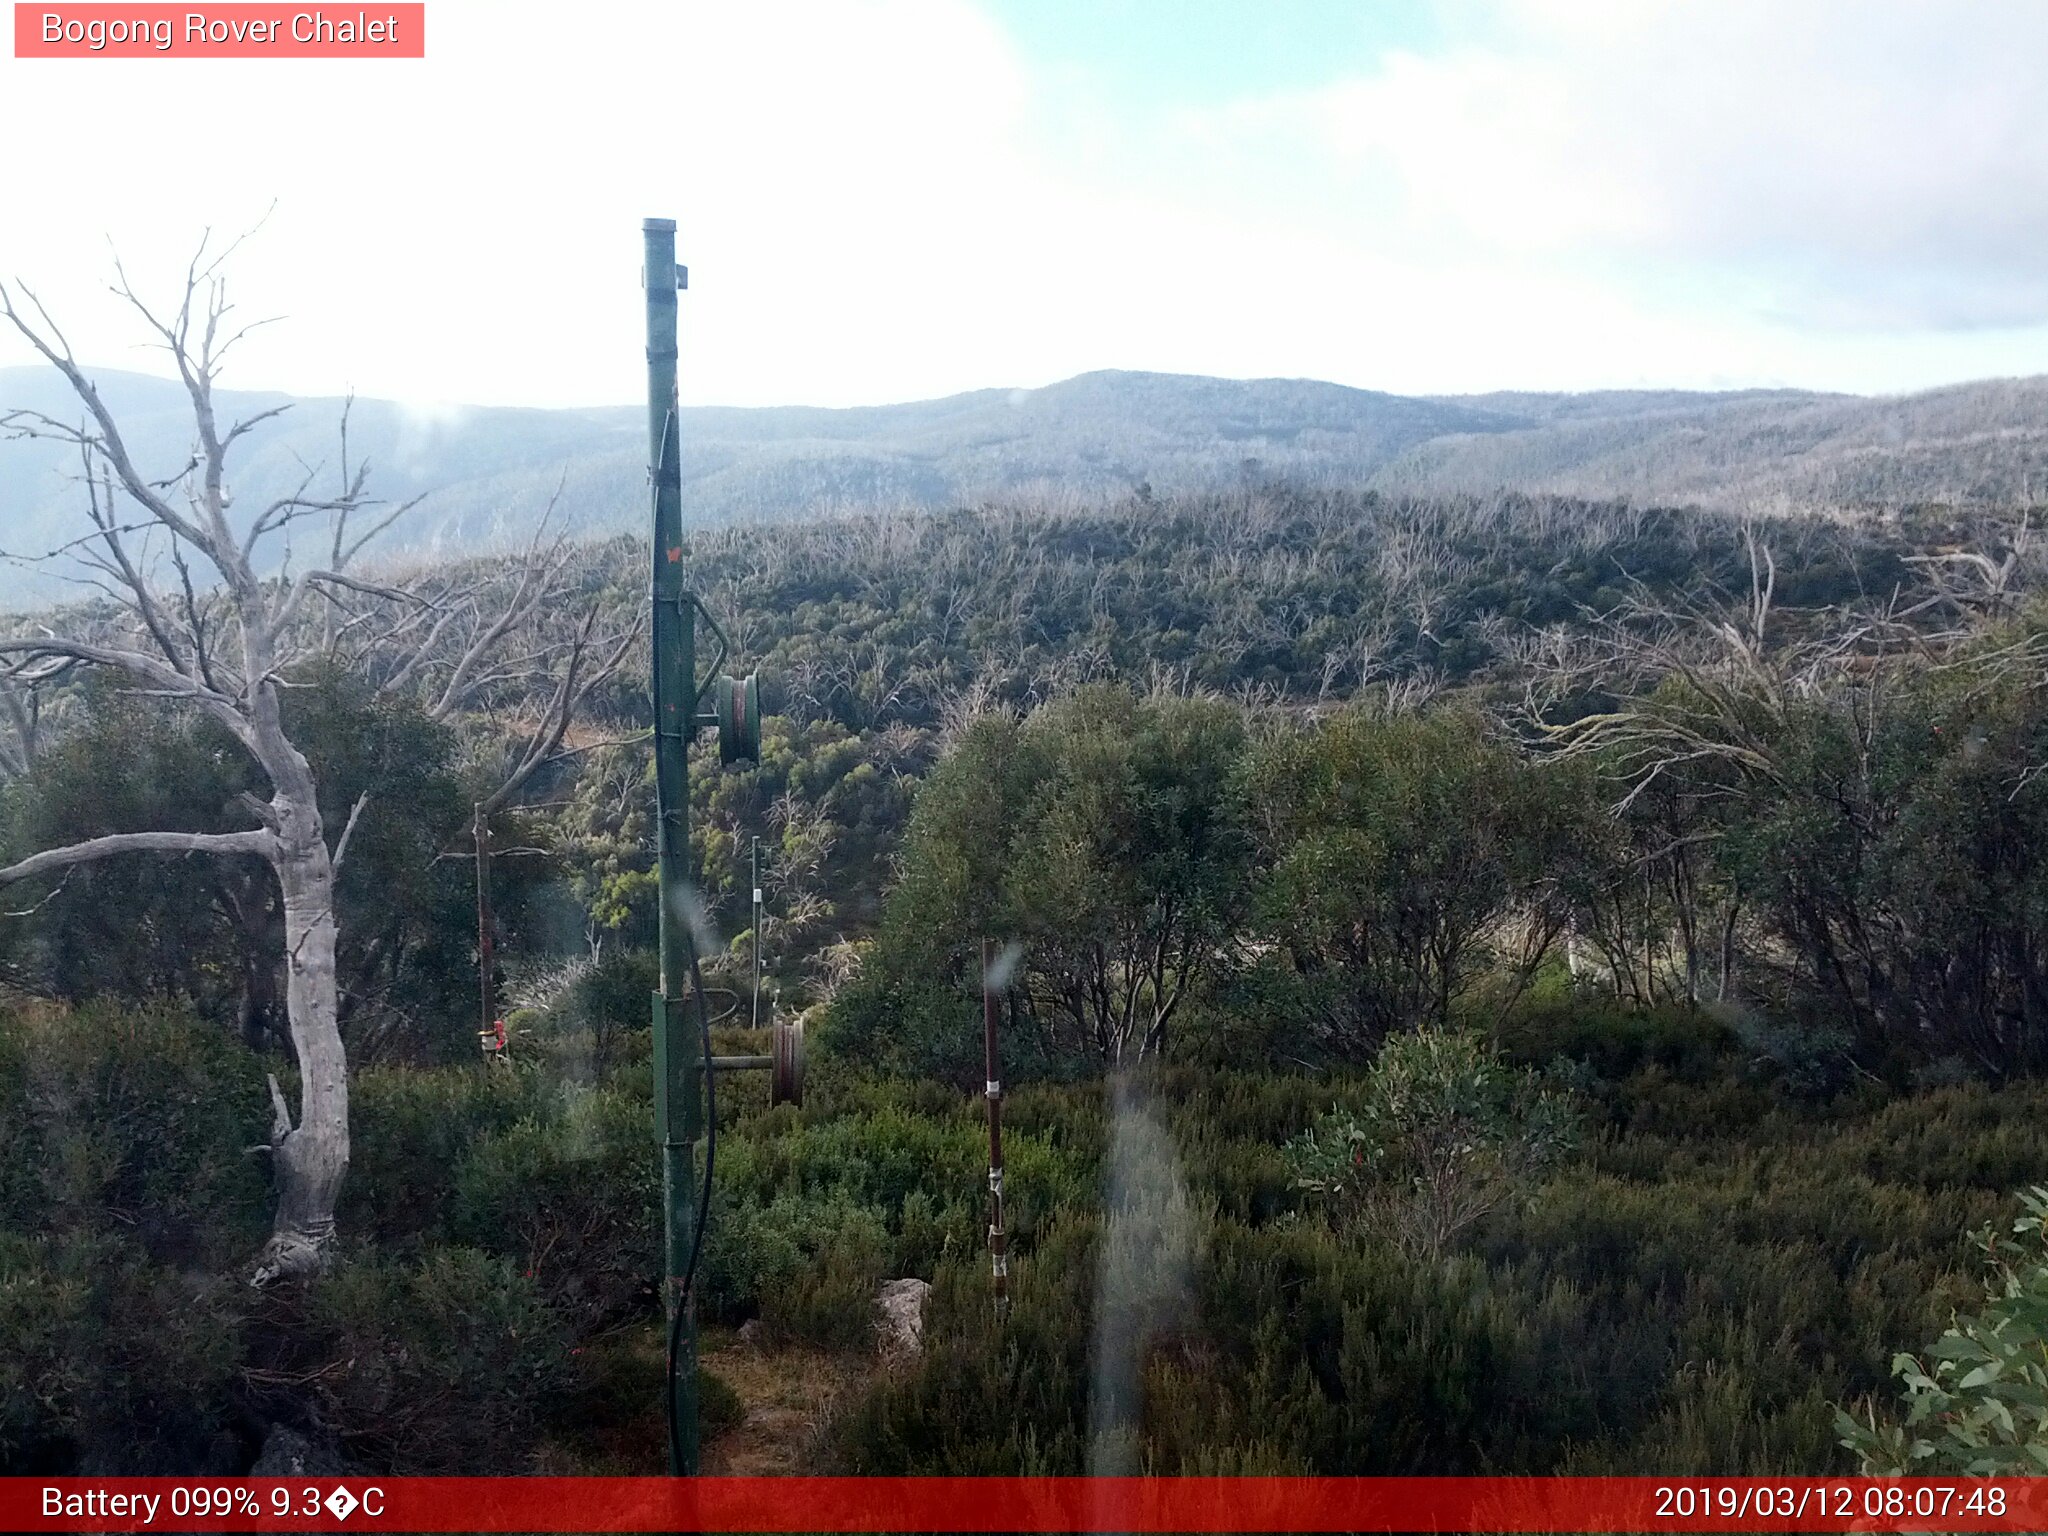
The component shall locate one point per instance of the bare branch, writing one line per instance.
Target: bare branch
(536, 580)
(262, 845)
(109, 443)
(280, 1112)
(54, 892)
(137, 664)
(341, 846)
(546, 740)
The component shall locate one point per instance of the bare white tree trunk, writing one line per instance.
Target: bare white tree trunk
(310, 1159)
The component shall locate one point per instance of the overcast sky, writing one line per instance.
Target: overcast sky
(895, 199)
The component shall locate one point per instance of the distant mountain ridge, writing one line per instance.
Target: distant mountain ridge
(489, 471)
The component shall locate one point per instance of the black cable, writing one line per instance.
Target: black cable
(675, 1326)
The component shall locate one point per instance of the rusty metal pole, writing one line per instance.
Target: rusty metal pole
(998, 1239)
(757, 932)
(486, 950)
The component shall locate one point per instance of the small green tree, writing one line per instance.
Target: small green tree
(1407, 858)
(1443, 1130)
(1978, 1405)
(1104, 835)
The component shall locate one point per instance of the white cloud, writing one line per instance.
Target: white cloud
(883, 199)
(468, 225)
(1861, 165)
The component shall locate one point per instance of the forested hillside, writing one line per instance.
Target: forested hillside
(489, 475)
(1494, 984)
(1972, 445)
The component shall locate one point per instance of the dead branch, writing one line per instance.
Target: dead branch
(262, 844)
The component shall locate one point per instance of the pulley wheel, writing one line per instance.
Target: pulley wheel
(786, 1076)
(737, 701)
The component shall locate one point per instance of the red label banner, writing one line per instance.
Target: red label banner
(227, 31)
(1135, 1504)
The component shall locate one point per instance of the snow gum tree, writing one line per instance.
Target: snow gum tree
(226, 636)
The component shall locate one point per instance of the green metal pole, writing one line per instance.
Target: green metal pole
(678, 1051)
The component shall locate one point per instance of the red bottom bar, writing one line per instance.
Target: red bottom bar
(1132, 1504)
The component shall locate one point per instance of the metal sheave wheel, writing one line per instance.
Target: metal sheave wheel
(786, 1078)
(738, 704)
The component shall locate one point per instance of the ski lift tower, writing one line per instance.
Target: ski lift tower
(683, 1090)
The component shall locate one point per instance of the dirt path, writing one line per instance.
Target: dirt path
(786, 1393)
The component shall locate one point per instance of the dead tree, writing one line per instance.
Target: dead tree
(21, 735)
(224, 640)
(1702, 694)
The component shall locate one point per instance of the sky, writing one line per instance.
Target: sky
(885, 200)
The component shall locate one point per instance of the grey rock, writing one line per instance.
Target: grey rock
(901, 1324)
(287, 1453)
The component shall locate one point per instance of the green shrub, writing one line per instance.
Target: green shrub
(876, 1158)
(600, 1019)
(1615, 1041)
(574, 1201)
(127, 1197)
(21, 1198)
(1441, 1134)
(45, 1297)
(444, 1366)
(138, 1120)
(1978, 1405)
(914, 1154)
(410, 1132)
(983, 1399)
(112, 1364)
(1685, 1298)
(809, 1266)
(1721, 1262)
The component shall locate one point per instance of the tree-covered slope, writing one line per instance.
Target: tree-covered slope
(490, 473)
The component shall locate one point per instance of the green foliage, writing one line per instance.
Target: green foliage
(1841, 853)
(439, 1365)
(210, 931)
(139, 927)
(1978, 1405)
(1685, 1297)
(1896, 856)
(813, 1212)
(132, 1123)
(127, 1194)
(406, 910)
(1398, 848)
(411, 1134)
(810, 1267)
(1439, 1136)
(590, 1017)
(573, 1200)
(1405, 860)
(1103, 836)
(873, 623)
(1707, 1218)
(1214, 891)
(829, 805)
(1614, 1040)
(113, 1363)
(1014, 1402)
